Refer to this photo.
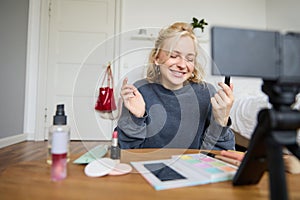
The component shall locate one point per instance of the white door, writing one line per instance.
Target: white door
(76, 59)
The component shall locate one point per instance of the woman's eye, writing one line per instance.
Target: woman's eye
(191, 59)
(174, 56)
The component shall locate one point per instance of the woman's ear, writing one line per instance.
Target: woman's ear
(156, 60)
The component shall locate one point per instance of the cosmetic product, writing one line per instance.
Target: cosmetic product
(115, 152)
(121, 169)
(223, 158)
(227, 80)
(99, 167)
(59, 135)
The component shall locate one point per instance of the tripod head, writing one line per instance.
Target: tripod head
(281, 96)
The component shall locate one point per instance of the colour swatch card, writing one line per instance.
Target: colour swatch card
(185, 170)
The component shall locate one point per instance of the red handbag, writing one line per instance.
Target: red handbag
(106, 100)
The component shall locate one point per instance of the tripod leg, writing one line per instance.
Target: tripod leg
(276, 170)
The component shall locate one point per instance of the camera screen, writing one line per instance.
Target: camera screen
(291, 58)
(243, 52)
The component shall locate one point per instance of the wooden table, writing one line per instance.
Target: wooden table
(31, 180)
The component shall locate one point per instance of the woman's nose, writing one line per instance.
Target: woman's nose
(181, 62)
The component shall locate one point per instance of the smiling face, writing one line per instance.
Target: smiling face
(176, 62)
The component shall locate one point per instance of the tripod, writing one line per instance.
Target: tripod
(276, 128)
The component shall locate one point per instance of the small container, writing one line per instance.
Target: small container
(115, 152)
(60, 139)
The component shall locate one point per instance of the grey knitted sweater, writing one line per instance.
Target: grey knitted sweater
(174, 119)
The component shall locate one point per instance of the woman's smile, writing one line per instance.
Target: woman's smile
(177, 74)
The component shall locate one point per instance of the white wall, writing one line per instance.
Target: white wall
(283, 15)
(248, 13)
(157, 13)
(257, 14)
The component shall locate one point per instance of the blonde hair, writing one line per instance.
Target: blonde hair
(178, 30)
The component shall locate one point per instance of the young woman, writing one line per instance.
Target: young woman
(173, 107)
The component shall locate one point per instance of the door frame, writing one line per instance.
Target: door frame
(36, 66)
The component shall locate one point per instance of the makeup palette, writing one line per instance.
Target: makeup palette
(214, 169)
(184, 170)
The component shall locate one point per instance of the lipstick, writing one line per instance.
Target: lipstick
(115, 152)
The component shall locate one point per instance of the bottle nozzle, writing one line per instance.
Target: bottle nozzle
(60, 118)
(60, 109)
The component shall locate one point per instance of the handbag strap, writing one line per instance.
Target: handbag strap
(110, 78)
(109, 75)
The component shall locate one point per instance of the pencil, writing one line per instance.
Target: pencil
(223, 158)
(233, 154)
(228, 160)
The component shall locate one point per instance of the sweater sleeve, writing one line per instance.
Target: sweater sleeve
(216, 136)
(131, 130)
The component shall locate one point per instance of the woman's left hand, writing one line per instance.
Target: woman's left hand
(222, 103)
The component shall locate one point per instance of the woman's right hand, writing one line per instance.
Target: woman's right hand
(133, 100)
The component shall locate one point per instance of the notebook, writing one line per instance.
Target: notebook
(184, 170)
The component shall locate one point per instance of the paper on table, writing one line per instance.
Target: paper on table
(95, 153)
